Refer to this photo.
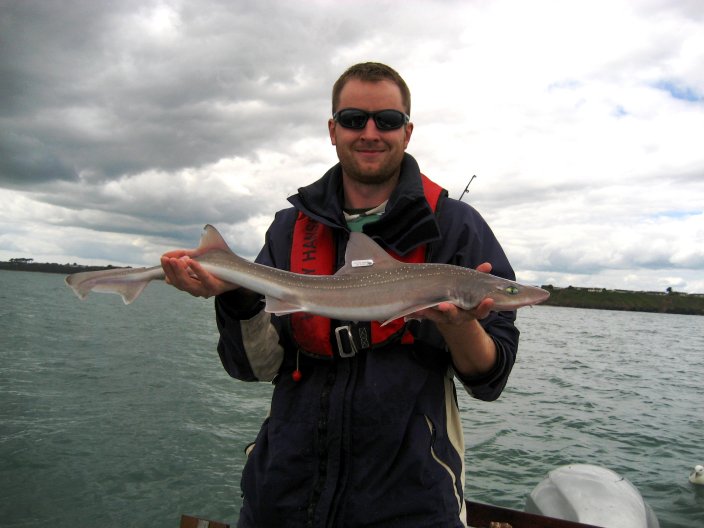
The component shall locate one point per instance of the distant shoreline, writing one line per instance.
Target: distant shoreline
(51, 267)
(569, 297)
(626, 300)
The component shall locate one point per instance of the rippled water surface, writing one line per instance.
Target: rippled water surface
(122, 416)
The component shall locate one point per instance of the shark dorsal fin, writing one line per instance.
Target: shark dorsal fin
(363, 254)
(211, 239)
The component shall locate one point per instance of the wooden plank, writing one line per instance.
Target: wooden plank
(482, 515)
(478, 516)
(188, 521)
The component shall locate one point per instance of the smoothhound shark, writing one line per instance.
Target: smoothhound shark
(371, 286)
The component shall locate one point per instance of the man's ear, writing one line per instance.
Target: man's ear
(331, 130)
(409, 131)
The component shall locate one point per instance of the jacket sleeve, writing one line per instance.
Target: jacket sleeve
(250, 347)
(468, 241)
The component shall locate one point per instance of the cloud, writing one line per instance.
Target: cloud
(26, 161)
(124, 127)
(143, 89)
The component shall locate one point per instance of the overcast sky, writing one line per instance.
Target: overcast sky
(125, 126)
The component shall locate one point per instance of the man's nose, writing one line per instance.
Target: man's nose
(370, 130)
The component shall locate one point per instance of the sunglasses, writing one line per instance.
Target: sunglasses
(383, 119)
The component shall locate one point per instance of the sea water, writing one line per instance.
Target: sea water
(119, 416)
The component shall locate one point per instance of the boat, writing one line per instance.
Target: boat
(591, 494)
(572, 496)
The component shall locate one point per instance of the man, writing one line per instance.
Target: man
(364, 428)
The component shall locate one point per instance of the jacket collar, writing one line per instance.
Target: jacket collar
(407, 223)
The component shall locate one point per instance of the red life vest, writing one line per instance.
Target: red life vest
(313, 253)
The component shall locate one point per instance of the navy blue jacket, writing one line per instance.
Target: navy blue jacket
(375, 439)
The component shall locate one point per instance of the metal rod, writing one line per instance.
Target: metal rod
(466, 189)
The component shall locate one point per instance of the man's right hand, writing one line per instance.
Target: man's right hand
(186, 274)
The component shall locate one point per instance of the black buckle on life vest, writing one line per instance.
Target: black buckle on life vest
(345, 342)
(353, 337)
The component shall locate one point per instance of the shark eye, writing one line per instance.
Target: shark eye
(511, 290)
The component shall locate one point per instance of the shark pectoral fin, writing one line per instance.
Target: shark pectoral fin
(279, 307)
(129, 291)
(412, 309)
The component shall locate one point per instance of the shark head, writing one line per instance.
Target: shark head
(507, 295)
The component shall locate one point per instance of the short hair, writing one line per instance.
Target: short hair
(371, 72)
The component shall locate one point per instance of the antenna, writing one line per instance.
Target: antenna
(466, 189)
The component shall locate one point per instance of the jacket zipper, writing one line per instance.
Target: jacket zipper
(322, 433)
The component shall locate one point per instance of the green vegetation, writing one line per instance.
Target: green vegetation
(28, 265)
(599, 298)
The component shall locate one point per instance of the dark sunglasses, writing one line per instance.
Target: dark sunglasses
(383, 119)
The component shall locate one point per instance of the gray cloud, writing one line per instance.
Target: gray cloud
(122, 87)
(25, 161)
(86, 81)
(126, 126)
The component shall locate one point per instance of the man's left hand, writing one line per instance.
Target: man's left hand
(449, 314)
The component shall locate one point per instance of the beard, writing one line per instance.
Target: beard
(380, 170)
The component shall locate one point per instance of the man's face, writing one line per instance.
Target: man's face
(369, 155)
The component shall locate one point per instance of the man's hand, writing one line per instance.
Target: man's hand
(471, 348)
(186, 274)
(448, 314)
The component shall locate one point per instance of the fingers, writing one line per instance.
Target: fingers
(183, 273)
(179, 253)
(484, 267)
(188, 275)
(448, 313)
(483, 309)
(443, 313)
(175, 269)
(209, 285)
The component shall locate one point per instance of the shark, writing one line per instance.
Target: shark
(371, 286)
